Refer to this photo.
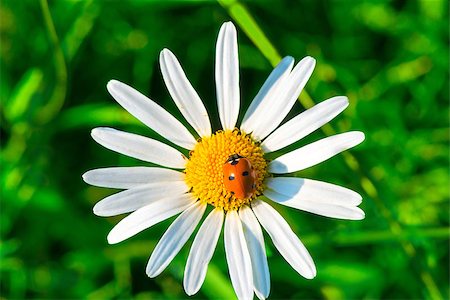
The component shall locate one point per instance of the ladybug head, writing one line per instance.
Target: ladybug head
(233, 159)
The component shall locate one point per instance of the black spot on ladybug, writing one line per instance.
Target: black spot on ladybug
(245, 173)
(234, 162)
(231, 177)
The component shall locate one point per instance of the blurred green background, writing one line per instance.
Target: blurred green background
(389, 57)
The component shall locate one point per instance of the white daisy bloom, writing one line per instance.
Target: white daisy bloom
(186, 185)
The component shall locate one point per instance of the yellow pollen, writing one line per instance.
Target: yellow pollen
(204, 170)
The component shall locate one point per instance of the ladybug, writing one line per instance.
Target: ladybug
(239, 176)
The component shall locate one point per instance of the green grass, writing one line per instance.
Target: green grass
(390, 58)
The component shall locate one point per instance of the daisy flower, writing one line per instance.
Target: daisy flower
(187, 185)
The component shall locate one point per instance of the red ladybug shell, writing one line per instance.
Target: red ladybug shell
(239, 177)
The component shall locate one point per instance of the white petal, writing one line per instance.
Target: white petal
(184, 95)
(255, 112)
(284, 239)
(315, 153)
(151, 114)
(255, 243)
(227, 76)
(139, 147)
(130, 177)
(202, 251)
(288, 93)
(130, 200)
(305, 123)
(318, 208)
(148, 216)
(299, 189)
(238, 258)
(174, 238)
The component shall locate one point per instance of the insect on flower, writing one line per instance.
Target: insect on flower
(226, 169)
(239, 177)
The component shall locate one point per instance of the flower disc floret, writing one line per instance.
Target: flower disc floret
(204, 170)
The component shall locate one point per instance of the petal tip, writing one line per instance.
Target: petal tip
(189, 291)
(85, 176)
(360, 136)
(357, 215)
(97, 210)
(112, 239)
(228, 28)
(361, 215)
(355, 137)
(311, 274)
(164, 52)
(309, 60)
(96, 133)
(229, 24)
(150, 271)
(342, 99)
(112, 84)
(358, 198)
(261, 294)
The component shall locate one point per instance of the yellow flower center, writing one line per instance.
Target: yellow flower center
(204, 170)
